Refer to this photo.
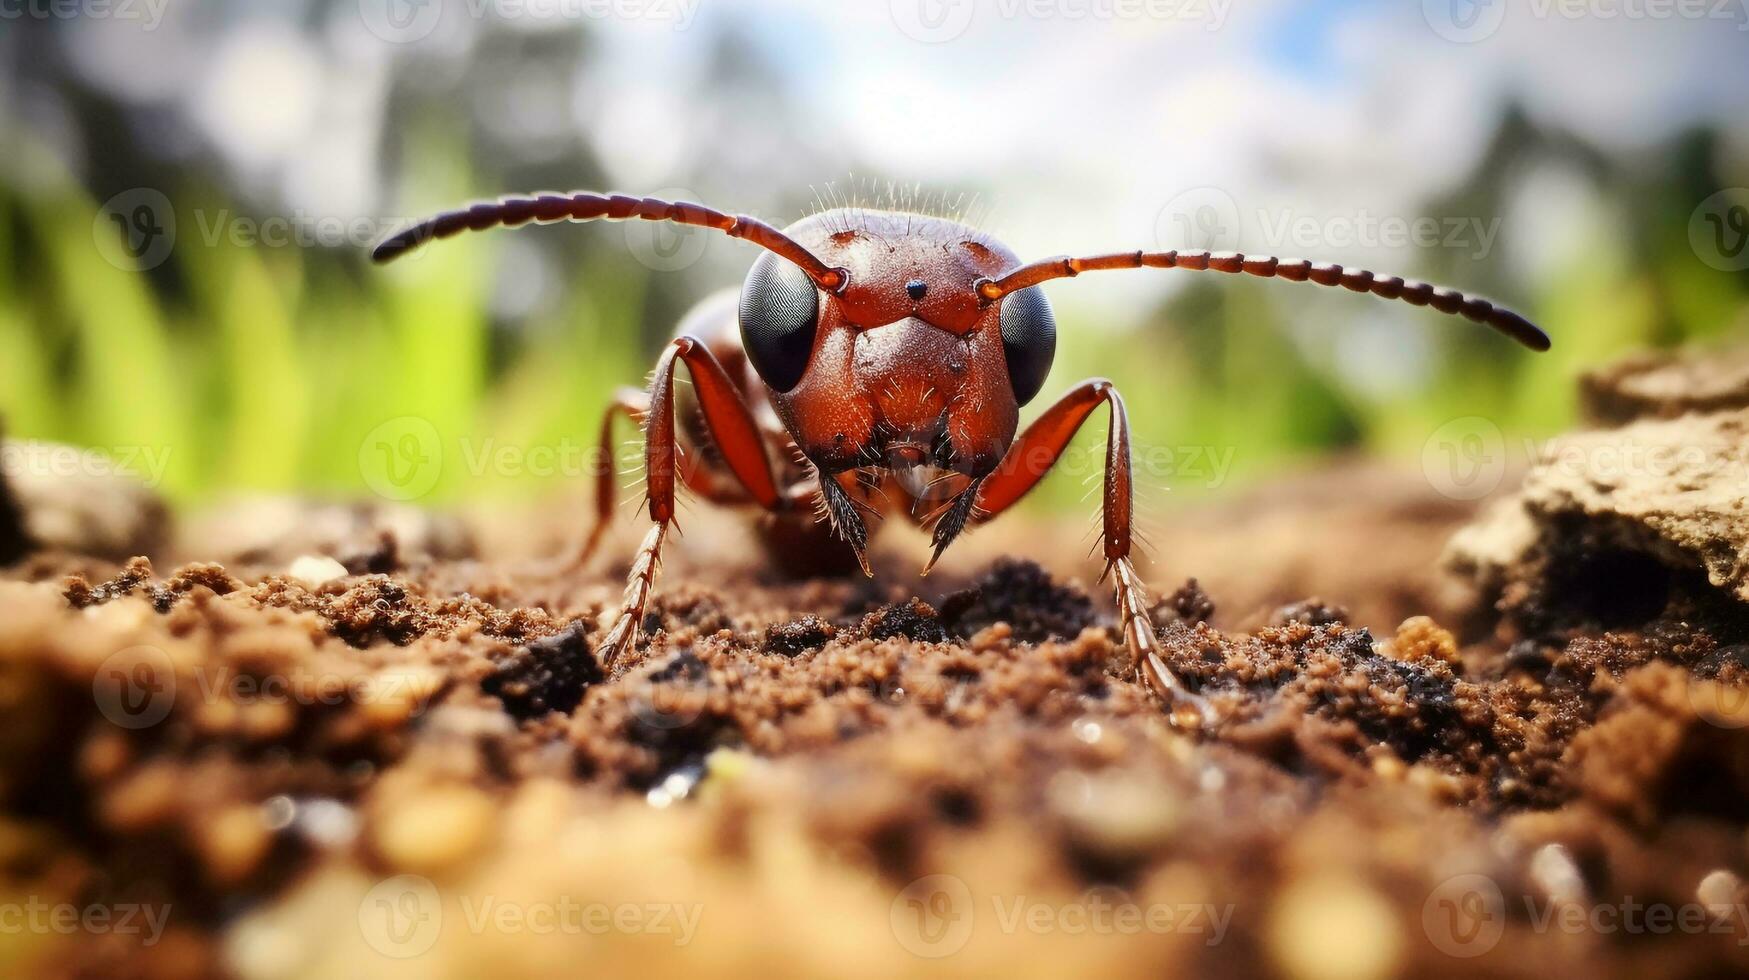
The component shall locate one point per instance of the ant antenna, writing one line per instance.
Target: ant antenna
(1409, 291)
(546, 208)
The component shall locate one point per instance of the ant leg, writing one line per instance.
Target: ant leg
(1026, 463)
(634, 404)
(738, 439)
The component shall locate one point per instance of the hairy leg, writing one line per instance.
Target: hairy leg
(737, 437)
(1030, 458)
(700, 478)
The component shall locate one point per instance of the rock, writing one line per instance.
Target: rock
(1608, 522)
(1666, 385)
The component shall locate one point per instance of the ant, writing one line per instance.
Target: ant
(883, 350)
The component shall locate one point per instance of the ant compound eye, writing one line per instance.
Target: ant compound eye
(780, 309)
(1029, 341)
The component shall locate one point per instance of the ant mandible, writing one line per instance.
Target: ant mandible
(885, 350)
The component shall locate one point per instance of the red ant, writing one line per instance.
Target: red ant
(875, 347)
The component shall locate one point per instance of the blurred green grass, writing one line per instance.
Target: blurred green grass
(269, 367)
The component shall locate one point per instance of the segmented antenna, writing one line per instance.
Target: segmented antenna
(1410, 291)
(546, 208)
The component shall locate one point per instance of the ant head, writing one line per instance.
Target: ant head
(905, 363)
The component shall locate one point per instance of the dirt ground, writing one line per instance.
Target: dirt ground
(313, 741)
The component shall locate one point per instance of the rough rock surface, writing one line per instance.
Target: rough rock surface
(1654, 505)
(1666, 385)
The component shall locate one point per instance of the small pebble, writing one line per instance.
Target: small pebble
(316, 569)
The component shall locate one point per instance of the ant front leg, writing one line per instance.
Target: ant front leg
(1026, 463)
(737, 436)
